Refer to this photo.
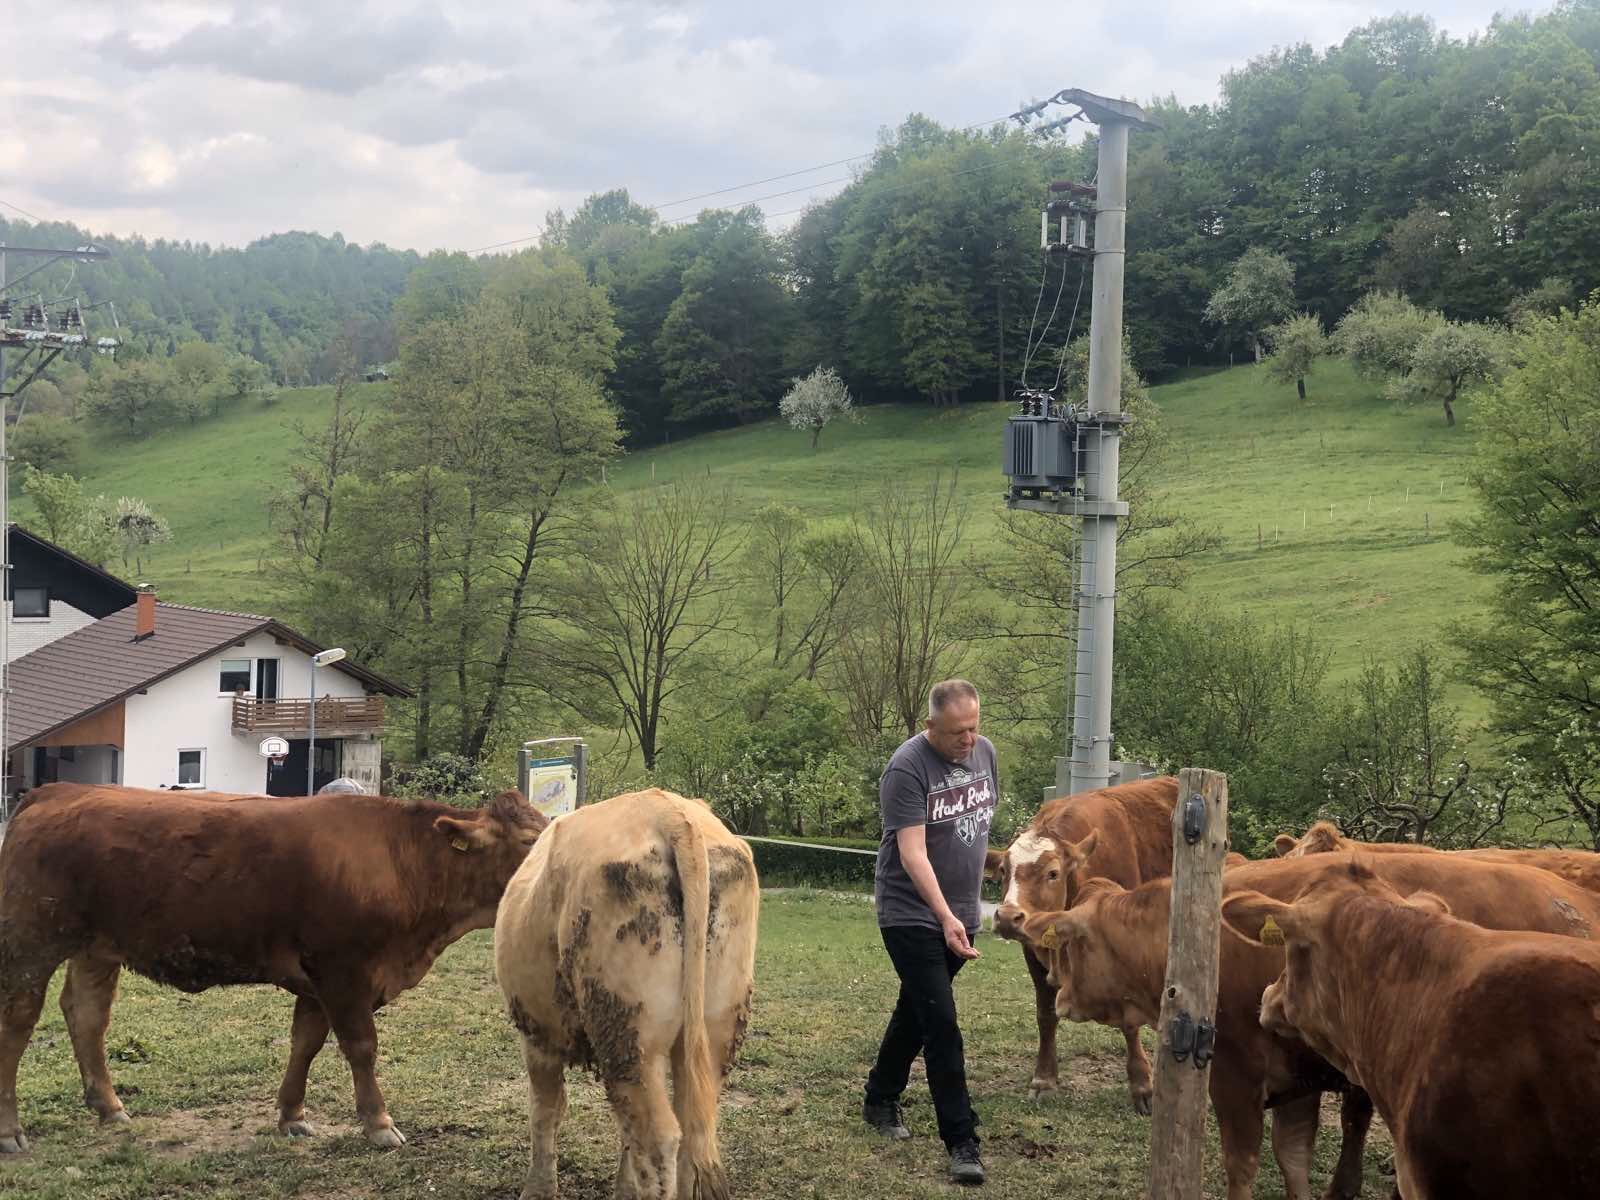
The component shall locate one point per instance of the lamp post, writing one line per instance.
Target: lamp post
(321, 659)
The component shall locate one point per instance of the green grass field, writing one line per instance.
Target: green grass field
(1334, 512)
(199, 1074)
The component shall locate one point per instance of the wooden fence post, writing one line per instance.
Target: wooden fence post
(1189, 1000)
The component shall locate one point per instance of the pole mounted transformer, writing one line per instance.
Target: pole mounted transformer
(1064, 461)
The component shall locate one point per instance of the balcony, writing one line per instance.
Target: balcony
(336, 716)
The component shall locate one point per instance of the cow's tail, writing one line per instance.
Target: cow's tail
(696, 1079)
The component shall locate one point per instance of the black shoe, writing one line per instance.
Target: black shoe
(885, 1118)
(965, 1165)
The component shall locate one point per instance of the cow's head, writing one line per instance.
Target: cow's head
(1315, 933)
(1039, 874)
(494, 838)
(1322, 838)
(1093, 987)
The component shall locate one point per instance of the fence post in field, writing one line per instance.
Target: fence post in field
(1189, 1000)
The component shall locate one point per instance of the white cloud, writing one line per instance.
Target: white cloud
(459, 125)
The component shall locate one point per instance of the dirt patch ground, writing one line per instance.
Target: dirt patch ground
(185, 1133)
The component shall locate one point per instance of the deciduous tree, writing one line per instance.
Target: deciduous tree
(1381, 333)
(647, 592)
(1259, 292)
(814, 402)
(1297, 346)
(905, 636)
(138, 396)
(1536, 536)
(1451, 357)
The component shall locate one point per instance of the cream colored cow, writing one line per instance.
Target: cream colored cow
(626, 943)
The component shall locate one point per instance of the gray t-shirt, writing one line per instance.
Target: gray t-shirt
(956, 802)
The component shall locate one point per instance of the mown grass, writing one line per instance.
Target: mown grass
(206, 1068)
(1333, 512)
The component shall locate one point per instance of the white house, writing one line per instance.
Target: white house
(164, 695)
(53, 592)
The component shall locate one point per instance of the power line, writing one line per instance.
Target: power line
(897, 187)
(24, 212)
(753, 183)
(807, 170)
(739, 187)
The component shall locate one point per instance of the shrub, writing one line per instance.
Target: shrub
(450, 779)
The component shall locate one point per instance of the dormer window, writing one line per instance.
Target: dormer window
(30, 602)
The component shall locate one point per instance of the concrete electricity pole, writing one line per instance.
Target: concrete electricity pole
(1087, 763)
(39, 346)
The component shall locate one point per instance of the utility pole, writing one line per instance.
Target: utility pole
(39, 346)
(1087, 763)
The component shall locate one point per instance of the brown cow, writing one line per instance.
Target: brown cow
(1580, 867)
(1476, 1045)
(344, 901)
(1121, 833)
(1117, 943)
(627, 942)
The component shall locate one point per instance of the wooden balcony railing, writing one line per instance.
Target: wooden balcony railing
(336, 716)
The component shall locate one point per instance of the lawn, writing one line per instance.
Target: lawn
(199, 1074)
(1334, 512)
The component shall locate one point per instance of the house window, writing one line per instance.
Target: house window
(30, 602)
(235, 675)
(191, 768)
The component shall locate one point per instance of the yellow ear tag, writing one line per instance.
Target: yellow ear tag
(1271, 934)
(458, 844)
(1049, 940)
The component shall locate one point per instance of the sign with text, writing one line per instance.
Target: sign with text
(553, 785)
(551, 773)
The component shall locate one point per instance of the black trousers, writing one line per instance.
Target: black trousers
(924, 1021)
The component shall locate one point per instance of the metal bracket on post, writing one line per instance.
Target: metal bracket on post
(1187, 1037)
(1194, 818)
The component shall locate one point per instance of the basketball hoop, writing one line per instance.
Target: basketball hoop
(275, 750)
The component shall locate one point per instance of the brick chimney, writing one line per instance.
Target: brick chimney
(144, 617)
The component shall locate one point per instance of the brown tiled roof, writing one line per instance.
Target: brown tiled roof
(100, 664)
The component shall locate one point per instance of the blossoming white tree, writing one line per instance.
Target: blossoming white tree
(816, 400)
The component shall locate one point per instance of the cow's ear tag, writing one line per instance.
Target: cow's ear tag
(458, 843)
(1049, 939)
(1271, 934)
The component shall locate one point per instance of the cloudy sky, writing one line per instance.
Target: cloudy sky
(460, 124)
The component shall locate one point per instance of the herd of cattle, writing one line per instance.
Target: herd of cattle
(1456, 993)
(624, 941)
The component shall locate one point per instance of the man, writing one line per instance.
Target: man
(937, 797)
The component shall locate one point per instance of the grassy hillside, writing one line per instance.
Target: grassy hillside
(1350, 496)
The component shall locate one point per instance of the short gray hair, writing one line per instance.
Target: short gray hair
(947, 690)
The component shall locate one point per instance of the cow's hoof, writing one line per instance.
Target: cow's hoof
(297, 1129)
(14, 1145)
(388, 1137)
(117, 1116)
(1040, 1088)
(1141, 1103)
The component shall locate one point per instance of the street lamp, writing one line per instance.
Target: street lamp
(320, 659)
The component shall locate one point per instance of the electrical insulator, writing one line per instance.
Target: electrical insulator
(75, 317)
(5, 310)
